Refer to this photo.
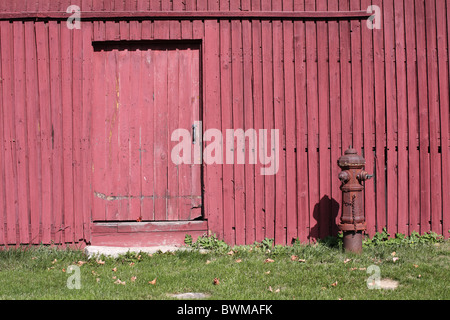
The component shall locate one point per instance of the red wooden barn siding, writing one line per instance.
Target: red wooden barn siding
(323, 84)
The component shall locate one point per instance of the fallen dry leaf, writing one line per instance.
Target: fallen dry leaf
(347, 260)
(415, 265)
(98, 279)
(278, 290)
(133, 279)
(395, 259)
(216, 281)
(118, 281)
(80, 263)
(301, 260)
(54, 261)
(114, 277)
(270, 289)
(267, 272)
(153, 282)
(114, 269)
(230, 253)
(132, 264)
(293, 258)
(393, 253)
(334, 284)
(208, 262)
(238, 261)
(268, 260)
(100, 262)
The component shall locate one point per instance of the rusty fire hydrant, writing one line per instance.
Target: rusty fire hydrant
(353, 222)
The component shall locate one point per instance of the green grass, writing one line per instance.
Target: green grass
(422, 271)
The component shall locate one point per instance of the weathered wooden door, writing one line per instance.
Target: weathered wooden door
(142, 93)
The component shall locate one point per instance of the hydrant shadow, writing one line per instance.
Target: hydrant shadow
(324, 223)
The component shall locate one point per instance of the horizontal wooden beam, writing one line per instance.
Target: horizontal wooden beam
(189, 15)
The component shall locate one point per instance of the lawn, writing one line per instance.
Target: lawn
(260, 271)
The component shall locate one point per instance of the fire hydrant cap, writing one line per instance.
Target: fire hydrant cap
(351, 158)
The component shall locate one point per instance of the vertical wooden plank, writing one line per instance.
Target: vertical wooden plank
(45, 128)
(280, 125)
(196, 208)
(2, 161)
(161, 27)
(160, 134)
(135, 135)
(8, 132)
(175, 25)
(142, 5)
(345, 81)
(124, 183)
(147, 135)
(425, 205)
(66, 92)
(10, 136)
(324, 127)
(77, 123)
(357, 80)
(251, 151)
(258, 111)
(56, 133)
(238, 123)
(402, 119)
(118, 5)
(33, 130)
(173, 124)
(227, 120)
(100, 130)
(433, 115)
(268, 103)
(86, 128)
(112, 105)
(184, 116)
(335, 116)
(211, 119)
(98, 26)
(289, 95)
(20, 120)
(301, 126)
(346, 77)
(380, 109)
(391, 117)
(186, 25)
(368, 104)
(124, 29)
(413, 119)
(198, 32)
(357, 111)
(443, 51)
(313, 122)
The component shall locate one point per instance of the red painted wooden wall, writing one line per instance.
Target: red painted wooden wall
(324, 83)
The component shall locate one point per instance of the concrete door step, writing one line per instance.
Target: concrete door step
(114, 252)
